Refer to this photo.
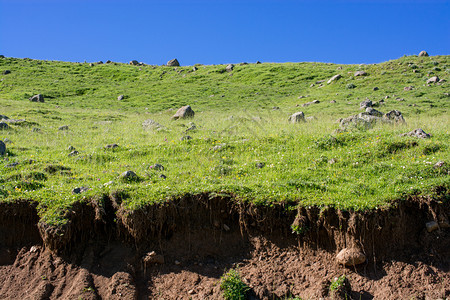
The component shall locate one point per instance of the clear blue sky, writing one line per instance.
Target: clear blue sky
(217, 31)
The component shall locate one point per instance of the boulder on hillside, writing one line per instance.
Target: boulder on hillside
(418, 133)
(229, 68)
(360, 73)
(37, 98)
(173, 63)
(184, 112)
(134, 63)
(297, 117)
(394, 116)
(129, 176)
(309, 103)
(373, 112)
(3, 126)
(121, 97)
(433, 79)
(423, 53)
(334, 78)
(366, 103)
(2, 148)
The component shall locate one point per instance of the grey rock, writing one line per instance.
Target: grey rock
(79, 190)
(260, 165)
(3, 126)
(192, 127)
(439, 164)
(229, 68)
(418, 133)
(350, 257)
(320, 81)
(157, 167)
(37, 98)
(373, 112)
(74, 153)
(128, 176)
(297, 117)
(184, 112)
(153, 125)
(194, 69)
(360, 73)
(333, 101)
(408, 88)
(134, 63)
(365, 104)
(2, 148)
(423, 53)
(173, 63)
(356, 121)
(64, 127)
(394, 116)
(120, 97)
(111, 146)
(433, 79)
(309, 103)
(334, 78)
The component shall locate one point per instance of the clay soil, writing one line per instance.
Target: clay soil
(274, 262)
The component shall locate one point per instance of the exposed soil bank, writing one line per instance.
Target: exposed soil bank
(99, 253)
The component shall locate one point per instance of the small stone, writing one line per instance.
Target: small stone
(360, 73)
(173, 63)
(365, 104)
(311, 85)
(134, 62)
(64, 127)
(226, 227)
(111, 146)
(184, 112)
(157, 167)
(129, 176)
(423, 53)
(80, 190)
(375, 88)
(334, 78)
(260, 165)
(153, 258)
(194, 69)
(37, 98)
(439, 164)
(350, 257)
(297, 117)
(431, 226)
(408, 88)
(333, 101)
(71, 148)
(433, 79)
(229, 68)
(121, 97)
(418, 133)
(73, 153)
(2, 148)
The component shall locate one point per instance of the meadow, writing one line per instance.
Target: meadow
(241, 141)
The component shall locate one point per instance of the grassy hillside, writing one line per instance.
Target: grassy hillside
(242, 144)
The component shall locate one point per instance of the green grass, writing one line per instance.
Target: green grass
(306, 164)
(233, 287)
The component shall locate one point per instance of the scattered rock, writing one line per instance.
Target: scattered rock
(162, 176)
(394, 116)
(260, 165)
(3, 117)
(356, 121)
(173, 63)
(418, 133)
(157, 167)
(309, 103)
(74, 153)
(275, 108)
(258, 62)
(2, 148)
(71, 148)
(320, 81)
(334, 78)
(311, 85)
(333, 101)
(150, 124)
(297, 117)
(129, 176)
(375, 88)
(408, 88)
(6, 72)
(64, 127)
(350, 257)
(134, 62)
(229, 68)
(37, 98)
(365, 104)
(360, 73)
(439, 164)
(433, 79)
(153, 258)
(431, 226)
(191, 127)
(120, 97)
(373, 112)
(3, 126)
(111, 146)
(184, 112)
(194, 69)
(80, 190)
(423, 53)
(186, 138)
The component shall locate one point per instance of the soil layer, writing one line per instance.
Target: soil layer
(105, 251)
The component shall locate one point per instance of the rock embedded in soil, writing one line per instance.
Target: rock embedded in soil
(111, 146)
(73, 153)
(229, 68)
(37, 98)
(153, 258)
(433, 79)
(297, 117)
(394, 116)
(418, 133)
(129, 176)
(184, 112)
(80, 190)
(3, 126)
(120, 97)
(360, 73)
(2, 148)
(350, 257)
(432, 226)
(157, 167)
(439, 164)
(423, 53)
(365, 104)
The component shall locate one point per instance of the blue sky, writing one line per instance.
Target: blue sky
(216, 31)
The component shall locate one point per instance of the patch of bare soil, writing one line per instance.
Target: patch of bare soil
(197, 239)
